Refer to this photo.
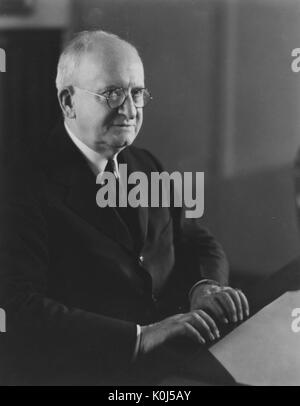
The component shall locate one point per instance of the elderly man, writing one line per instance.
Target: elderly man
(88, 291)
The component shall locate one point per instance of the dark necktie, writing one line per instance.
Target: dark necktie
(128, 214)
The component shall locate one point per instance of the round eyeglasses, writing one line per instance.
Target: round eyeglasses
(116, 97)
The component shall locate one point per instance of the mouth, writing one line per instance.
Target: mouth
(123, 125)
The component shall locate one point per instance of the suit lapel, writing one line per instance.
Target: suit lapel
(82, 198)
(67, 166)
(127, 157)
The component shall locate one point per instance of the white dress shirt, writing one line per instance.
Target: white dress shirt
(95, 160)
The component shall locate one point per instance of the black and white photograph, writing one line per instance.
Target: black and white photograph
(149, 195)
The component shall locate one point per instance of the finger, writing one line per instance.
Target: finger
(237, 301)
(201, 325)
(210, 321)
(217, 311)
(228, 305)
(244, 301)
(193, 333)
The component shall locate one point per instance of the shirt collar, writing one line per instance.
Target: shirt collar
(95, 160)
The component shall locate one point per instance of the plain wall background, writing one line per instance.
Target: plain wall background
(256, 219)
(47, 14)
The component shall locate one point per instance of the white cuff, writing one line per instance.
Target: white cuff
(137, 343)
(202, 282)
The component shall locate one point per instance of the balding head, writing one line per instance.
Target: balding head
(105, 46)
(93, 66)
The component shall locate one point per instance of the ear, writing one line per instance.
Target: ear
(66, 102)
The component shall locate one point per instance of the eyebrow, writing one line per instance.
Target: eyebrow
(107, 88)
(112, 87)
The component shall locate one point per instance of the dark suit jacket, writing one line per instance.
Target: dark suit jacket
(74, 281)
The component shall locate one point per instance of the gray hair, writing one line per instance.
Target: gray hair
(75, 49)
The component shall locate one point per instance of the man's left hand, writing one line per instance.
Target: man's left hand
(224, 304)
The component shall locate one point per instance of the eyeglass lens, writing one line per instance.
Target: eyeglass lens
(117, 97)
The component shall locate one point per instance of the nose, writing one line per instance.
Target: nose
(128, 108)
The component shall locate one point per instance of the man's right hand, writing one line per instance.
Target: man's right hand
(196, 325)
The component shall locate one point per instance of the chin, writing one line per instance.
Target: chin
(126, 141)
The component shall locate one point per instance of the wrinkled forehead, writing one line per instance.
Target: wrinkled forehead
(116, 64)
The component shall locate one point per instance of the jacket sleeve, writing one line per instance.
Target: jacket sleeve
(195, 245)
(198, 254)
(43, 334)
